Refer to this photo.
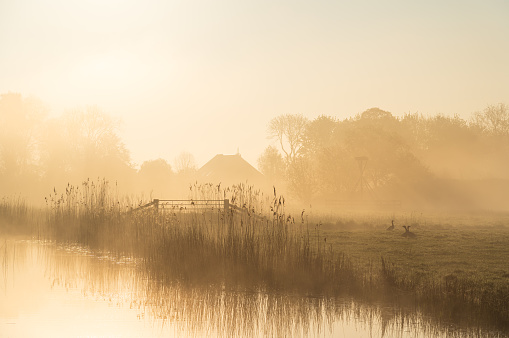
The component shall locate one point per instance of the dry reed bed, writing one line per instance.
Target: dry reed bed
(244, 250)
(202, 246)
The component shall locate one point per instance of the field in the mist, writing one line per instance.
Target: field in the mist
(452, 264)
(452, 253)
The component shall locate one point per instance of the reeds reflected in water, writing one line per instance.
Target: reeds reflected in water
(216, 271)
(204, 310)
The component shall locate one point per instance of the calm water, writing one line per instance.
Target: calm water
(54, 291)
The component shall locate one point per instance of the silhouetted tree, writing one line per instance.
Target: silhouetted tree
(272, 165)
(318, 134)
(302, 179)
(374, 134)
(155, 177)
(85, 143)
(331, 147)
(20, 127)
(185, 163)
(494, 119)
(289, 131)
(20, 121)
(336, 171)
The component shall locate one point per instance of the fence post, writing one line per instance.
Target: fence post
(226, 206)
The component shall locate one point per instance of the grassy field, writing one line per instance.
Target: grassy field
(454, 265)
(463, 252)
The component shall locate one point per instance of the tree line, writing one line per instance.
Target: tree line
(424, 159)
(39, 153)
(428, 159)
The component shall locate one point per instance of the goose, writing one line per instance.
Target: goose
(392, 226)
(407, 232)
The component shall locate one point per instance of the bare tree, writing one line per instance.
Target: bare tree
(495, 119)
(289, 131)
(184, 163)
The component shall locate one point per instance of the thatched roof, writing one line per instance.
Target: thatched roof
(230, 169)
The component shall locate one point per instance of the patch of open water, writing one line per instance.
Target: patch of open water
(54, 291)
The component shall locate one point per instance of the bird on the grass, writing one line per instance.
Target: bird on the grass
(392, 226)
(407, 232)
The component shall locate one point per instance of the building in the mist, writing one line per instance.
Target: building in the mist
(229, 170)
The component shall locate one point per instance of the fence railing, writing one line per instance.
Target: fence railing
(225, 205)
(161, 205)
(184, 205)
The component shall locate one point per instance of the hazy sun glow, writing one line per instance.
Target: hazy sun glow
(246, 168)
(158, 64)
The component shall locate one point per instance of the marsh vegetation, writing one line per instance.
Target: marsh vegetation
(346, 180)
(117, 297)
(351, 169)
(450, 275)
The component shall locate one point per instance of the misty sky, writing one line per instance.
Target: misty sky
(207, 76)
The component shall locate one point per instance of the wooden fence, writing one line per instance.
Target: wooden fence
(162, 205)
(185, 205)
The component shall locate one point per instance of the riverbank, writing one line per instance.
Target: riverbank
(278, 254)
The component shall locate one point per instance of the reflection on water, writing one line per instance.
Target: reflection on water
(47, 290)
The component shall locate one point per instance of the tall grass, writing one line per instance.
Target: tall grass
(17, 217)
(250, 248)
(256, 246)
(463, 301)
(86, 214)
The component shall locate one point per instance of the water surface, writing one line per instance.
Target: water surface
(50, 290)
